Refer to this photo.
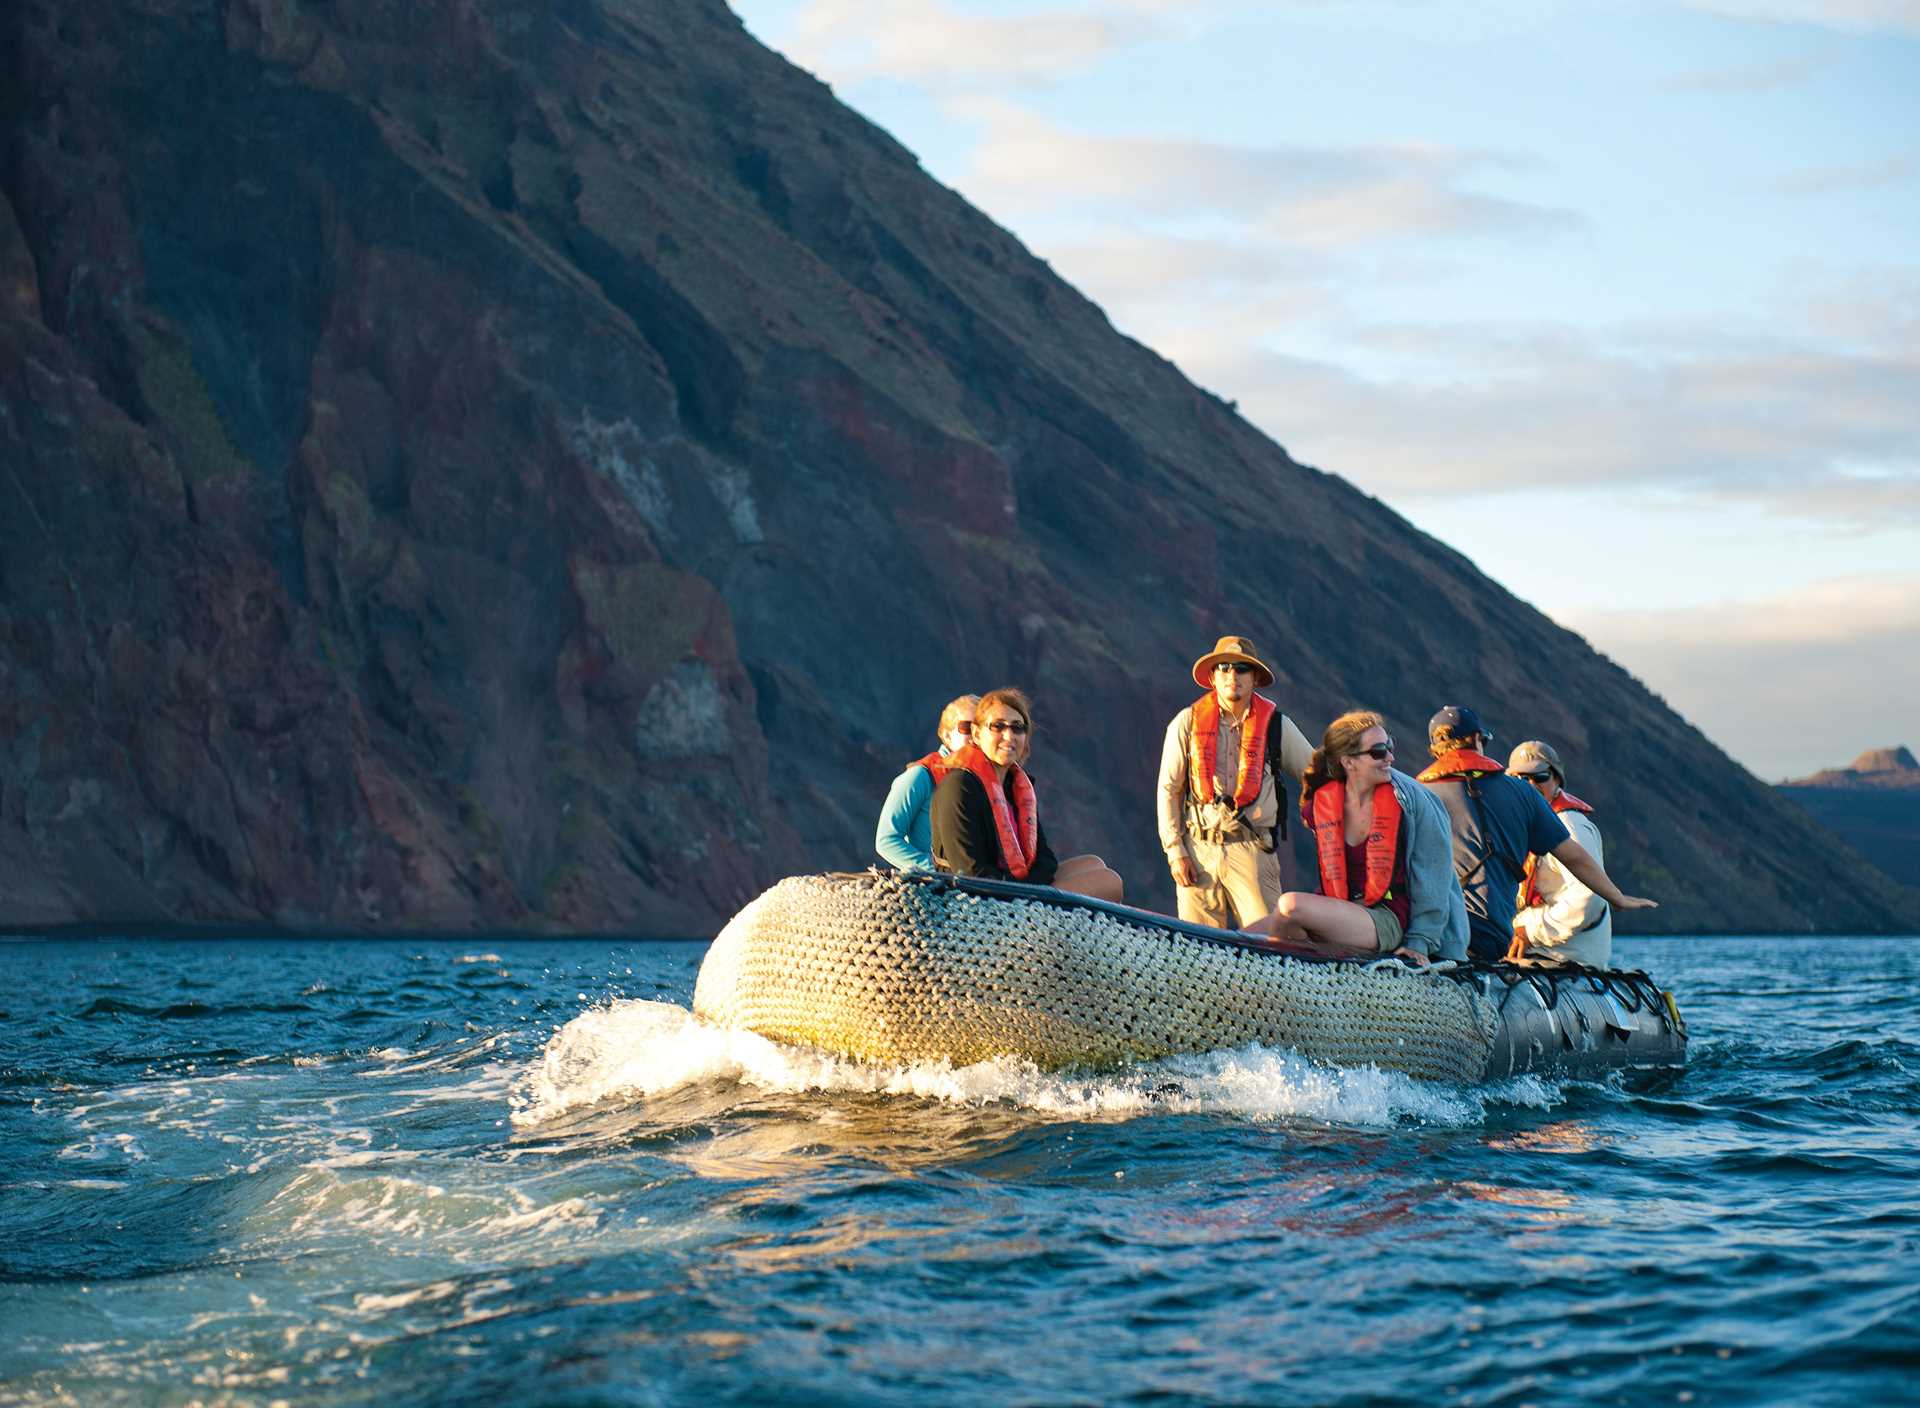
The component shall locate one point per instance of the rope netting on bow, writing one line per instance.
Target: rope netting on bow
(891, 969)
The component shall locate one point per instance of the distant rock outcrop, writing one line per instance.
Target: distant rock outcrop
(1877, 767)
(1874, 805)
(475, 465)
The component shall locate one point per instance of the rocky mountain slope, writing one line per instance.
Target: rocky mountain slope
(484, 464)
(1873, 804)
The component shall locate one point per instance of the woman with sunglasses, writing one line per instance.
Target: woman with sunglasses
(1385, 852)
(986, 815)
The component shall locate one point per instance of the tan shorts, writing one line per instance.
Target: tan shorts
(1386, 928)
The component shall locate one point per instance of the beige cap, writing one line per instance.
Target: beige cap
(1533, 756)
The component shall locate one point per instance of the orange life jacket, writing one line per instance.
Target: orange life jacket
(1203, 750)
(935, 763)
(1018, 825)
(1529, 887)
(1330, 841)
(1460, 762)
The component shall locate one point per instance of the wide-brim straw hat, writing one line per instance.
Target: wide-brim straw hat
(1227, 650)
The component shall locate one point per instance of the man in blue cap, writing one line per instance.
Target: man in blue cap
(1498, 821)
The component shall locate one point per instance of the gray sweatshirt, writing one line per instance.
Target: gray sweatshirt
(1437, 921)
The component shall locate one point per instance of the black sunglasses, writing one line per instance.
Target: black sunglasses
(1536, 777)
(1379, 752)
(1004, 726)
(1239, 667)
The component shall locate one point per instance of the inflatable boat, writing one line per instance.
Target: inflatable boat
(903, 968)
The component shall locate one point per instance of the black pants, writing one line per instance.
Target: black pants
(1484, 943)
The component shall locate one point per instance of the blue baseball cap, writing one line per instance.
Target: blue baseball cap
(1458, 721)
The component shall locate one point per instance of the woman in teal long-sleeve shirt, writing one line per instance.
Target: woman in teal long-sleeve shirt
(904, 836)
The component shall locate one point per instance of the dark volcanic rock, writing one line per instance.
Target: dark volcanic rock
(482, 464)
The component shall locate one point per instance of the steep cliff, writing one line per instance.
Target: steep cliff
(480, 463)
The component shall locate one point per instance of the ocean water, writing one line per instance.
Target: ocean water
(519, 1172)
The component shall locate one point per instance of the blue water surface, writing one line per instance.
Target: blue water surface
(506, 1171)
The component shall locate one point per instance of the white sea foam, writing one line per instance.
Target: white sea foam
(635, 1050)
(394, 1208)
(366, 1301)
(99, 1147)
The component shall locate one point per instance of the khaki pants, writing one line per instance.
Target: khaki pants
(1237, 883)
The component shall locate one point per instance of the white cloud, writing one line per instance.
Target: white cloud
(937, 44)
(1853, 16)
(1808, 408)
(1851, 177)
(1225, 291)
(1820, 433)
(1752, 78)
(1868, 610)
(1310, 196)
(1749, 673)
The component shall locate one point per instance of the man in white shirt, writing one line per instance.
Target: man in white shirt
(1558, 919)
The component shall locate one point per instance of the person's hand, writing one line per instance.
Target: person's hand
(1412, 955)
(1182, 868)
(1517, 950)
(1635, 902)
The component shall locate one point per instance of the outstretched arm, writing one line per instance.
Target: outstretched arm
(1584, 868)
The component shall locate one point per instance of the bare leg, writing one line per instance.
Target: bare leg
(1089, 875)
(1318, 919)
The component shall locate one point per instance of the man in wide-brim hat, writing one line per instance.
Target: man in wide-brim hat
(1222, 796)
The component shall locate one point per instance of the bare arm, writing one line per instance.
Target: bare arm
(1584, 868)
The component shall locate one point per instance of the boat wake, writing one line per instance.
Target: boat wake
(637, 1050)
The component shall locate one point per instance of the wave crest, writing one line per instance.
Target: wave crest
(638, 1049)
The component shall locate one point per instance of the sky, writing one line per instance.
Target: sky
(1620, 298)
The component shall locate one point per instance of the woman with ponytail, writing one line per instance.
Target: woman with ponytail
(1385, 853)
(986, 815)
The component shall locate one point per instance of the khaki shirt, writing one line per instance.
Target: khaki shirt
(1174, 802)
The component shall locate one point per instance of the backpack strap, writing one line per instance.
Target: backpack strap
(1276, 736)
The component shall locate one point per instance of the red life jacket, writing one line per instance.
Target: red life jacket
(1460, 762)
(1330, 840)
(1018, 825)
(935, 764)
(1203, 749)
(1529, 887)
